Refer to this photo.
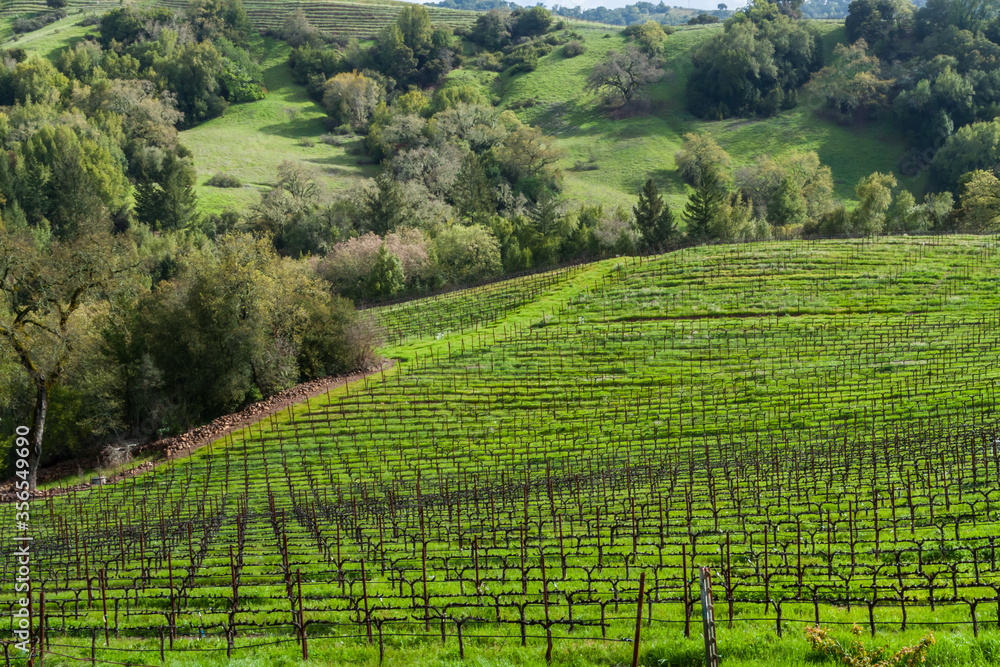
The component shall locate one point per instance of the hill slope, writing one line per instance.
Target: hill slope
(815, 421)
(608, 156)
(628, 150)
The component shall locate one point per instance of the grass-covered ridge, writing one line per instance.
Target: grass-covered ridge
(815, 421)
(251, 140)
(617, 153)
(628, 150)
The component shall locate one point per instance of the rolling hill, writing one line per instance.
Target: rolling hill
(816, 422)
(608, 157)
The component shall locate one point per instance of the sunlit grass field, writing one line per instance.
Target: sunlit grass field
(816, 422)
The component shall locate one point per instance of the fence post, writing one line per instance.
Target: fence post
(638, 620)
(708, 618)
(302, 618)
(41, 625)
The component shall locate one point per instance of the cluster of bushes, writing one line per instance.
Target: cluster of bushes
(99, 139)
(198, 57)
(22, 25)
(794, 198)
(703, 19)
(124, 356)
(515, 40)
(932, 70)
(409, 52)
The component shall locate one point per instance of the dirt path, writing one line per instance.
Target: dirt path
(171, 448)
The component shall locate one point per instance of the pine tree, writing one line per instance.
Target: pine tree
(653, 217)
(167, 201)
(474, 196)
(383, 207)
(703, 203)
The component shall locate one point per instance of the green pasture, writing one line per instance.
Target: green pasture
(250, 140)
(628, 149)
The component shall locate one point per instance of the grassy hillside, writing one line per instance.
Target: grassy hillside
(628, 150)
(814, 421)
(54, 37)
(617, 153)
(252, 139)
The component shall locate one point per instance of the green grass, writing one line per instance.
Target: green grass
(51, 39)
(628, 150)
(252, 139)
(831, 400)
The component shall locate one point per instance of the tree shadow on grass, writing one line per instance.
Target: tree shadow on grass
(296, 128)
(66, 45)
(344, 165)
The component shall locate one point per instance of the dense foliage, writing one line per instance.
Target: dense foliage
(755, 66)
(942, 87)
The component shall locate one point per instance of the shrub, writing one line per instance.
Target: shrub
(697, 152)
(857, 654)
(467, 254)
(488, 61)
(574, 48)
(526, 103)
(22, 25)
(451, 96)
(350, 263)
(522, 59)
(222, 180)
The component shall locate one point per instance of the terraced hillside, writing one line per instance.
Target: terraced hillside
(814, 421)
(346, 18)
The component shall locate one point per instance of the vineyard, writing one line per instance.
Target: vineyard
(814, 421)
(344, 18)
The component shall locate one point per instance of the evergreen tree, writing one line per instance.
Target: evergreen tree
(703, 203)
(474, 196)
(386, 276)
(395, 58)
(653, 217)
(167, 201)
(383, 207)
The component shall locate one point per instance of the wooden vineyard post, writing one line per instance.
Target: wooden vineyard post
(104, 603)
(41, 626)
(364, 590)
(302, 618)
(638, 620)
(708, 617)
